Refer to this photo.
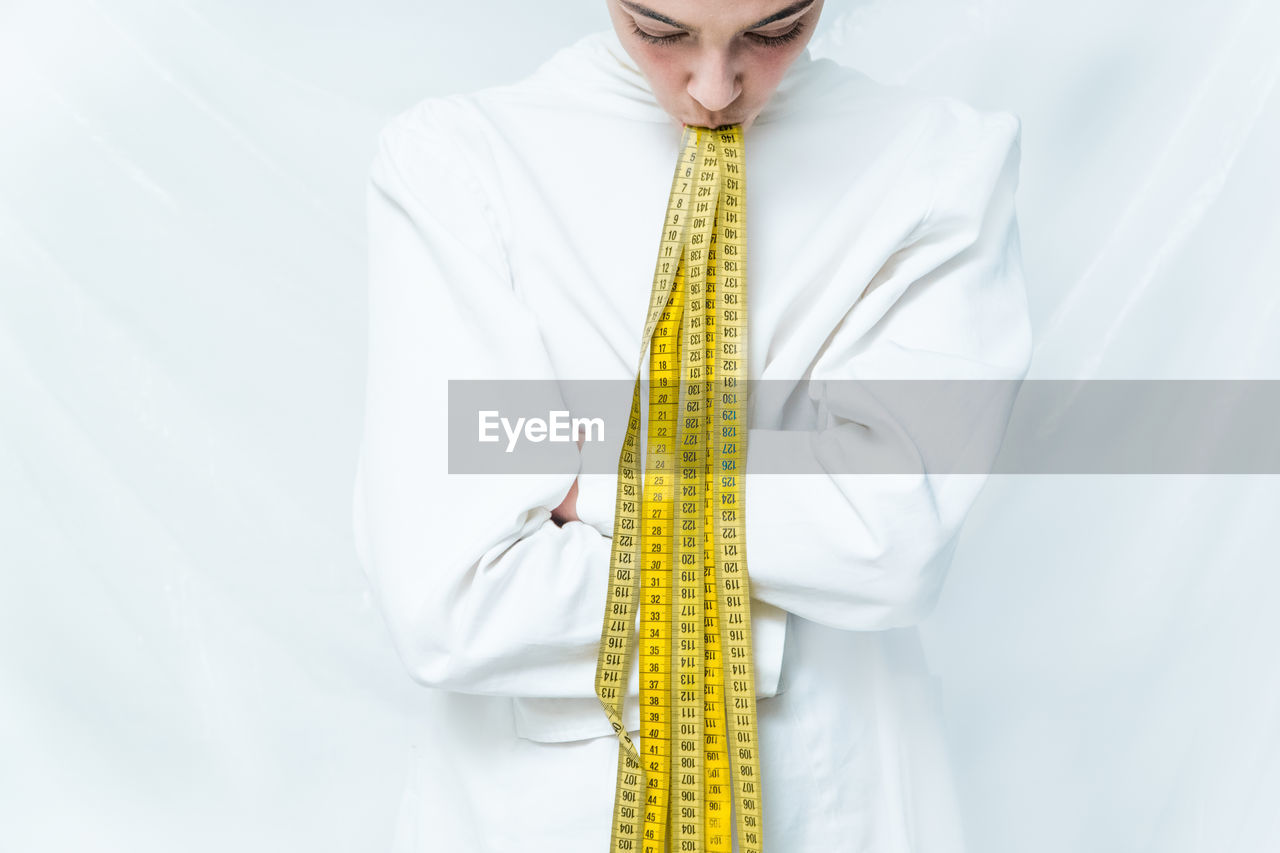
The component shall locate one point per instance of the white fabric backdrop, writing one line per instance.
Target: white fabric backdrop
(188, 655)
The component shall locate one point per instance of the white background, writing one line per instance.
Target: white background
(188, 656)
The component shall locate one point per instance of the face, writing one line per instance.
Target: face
(714, 62)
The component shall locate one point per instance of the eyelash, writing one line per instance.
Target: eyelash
(768, 41)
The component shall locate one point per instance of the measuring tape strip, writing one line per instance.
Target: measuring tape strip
(678, 560)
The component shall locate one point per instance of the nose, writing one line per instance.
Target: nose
(714, 82)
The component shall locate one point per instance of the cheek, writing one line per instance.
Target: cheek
(766, 69)
(667, 75)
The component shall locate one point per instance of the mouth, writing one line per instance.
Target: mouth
(714, 125)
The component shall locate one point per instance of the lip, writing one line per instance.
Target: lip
(714, 122)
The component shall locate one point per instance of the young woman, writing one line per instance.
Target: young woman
(513, 233)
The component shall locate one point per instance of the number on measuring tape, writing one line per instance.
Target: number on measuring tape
(680, 592)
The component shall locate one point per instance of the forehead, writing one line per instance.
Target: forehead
(716, 14)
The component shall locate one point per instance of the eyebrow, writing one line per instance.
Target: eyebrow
(776, 16)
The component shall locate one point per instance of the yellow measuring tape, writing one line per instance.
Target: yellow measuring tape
(678, 562)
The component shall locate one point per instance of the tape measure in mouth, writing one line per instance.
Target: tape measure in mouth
(678, 559)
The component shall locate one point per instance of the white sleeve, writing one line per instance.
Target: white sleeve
(869, 551)
(481, 590)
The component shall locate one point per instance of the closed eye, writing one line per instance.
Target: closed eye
(781, 39)
(768, 41)
(652, 39)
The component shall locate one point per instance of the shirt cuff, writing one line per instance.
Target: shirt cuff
(552, 720)
(558, 720)
(597, 502)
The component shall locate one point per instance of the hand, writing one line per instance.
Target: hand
(568, 509)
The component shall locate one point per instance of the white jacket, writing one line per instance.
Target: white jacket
(512, 234)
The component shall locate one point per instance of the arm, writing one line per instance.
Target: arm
(867, 552)
(482, 590)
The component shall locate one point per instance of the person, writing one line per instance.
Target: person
(512, 235)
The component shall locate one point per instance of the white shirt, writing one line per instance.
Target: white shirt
(513, 233)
